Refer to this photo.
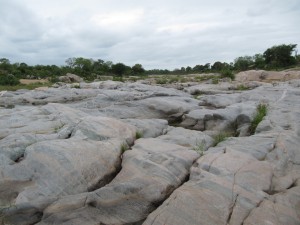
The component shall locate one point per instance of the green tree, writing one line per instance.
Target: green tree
(217, 66)
(280, 56)
(8, 79)
(5, 65)
(119, 69)
(188, 69)
(138, 69)
(243, 63)
(259, 61)
(202, 68)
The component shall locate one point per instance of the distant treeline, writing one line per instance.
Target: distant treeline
(276, 57)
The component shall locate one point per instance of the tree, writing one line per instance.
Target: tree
(280, 56)
(5, 64)
(243, 63)
(138, 69)
(71, 62)
(259, 61)
(119, 69)
(188, 69)
(202, 68)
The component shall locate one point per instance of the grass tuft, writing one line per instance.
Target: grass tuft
(124, 147)
(221, 136)
(200, 147)
(261, 112)
(138, 135)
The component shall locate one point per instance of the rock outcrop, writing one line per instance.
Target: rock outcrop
(70, 78)
(267, 76)
(129, 153)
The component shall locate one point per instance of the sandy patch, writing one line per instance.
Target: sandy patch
(33, 81)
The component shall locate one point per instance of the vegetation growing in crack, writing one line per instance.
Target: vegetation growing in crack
(124, 147)
(221, 136)
(261, 112)
(57, 128)
(138, 135)
(200, 147)
(242, 87)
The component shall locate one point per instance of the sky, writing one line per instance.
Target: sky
(163, 34)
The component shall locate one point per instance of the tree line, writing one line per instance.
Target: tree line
(276, 57)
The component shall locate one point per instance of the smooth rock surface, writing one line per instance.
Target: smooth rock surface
(71, 155)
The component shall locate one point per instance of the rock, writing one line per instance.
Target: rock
(188, 138)
(209, 200)
(70, 78)
(62, 167)
(149, 128)
(208, 89)
(228, 119)
(245, 180)
(262, 75)
(150, 172)
(272, 213)
(71, 156)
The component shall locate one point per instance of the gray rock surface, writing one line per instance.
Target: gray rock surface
(72, 156)
(249, 180)
(70, 78)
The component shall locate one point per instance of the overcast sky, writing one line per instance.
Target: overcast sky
(157, 33)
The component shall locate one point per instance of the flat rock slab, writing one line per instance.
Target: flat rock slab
(150, 172)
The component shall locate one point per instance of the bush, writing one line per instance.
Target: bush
(215, 80)
(227, 73)
(242, 87)
(9, 79)
(120, 79)
(162, 80)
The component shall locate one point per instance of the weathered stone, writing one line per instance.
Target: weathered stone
(80, 163)
(150, 172)
(70, 78)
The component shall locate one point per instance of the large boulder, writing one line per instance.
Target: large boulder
(70, 78)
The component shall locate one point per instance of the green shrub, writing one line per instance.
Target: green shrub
(183, 80)
(9, 80)
(162, 80)
(242, 87)
(261, 112)
(227, 73)
(174, 79)
(54, 79)
(115, 78)
(215, 80)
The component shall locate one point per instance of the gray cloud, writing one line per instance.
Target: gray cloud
(157, 34)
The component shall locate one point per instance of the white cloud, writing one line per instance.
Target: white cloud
(158, 34)
(118, 19)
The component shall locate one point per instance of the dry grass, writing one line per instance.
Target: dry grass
(33, 81)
